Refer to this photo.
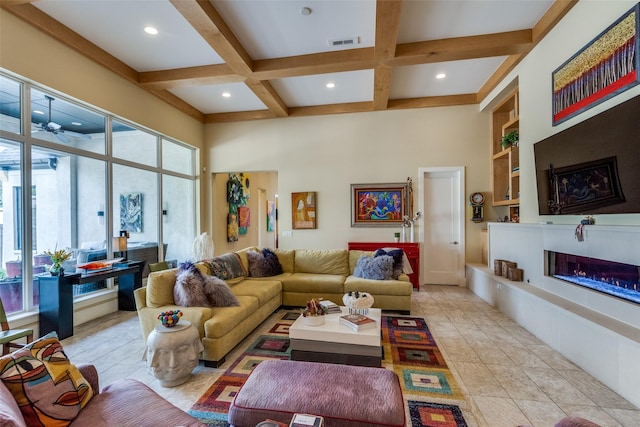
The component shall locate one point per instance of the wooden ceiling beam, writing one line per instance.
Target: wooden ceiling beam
(241, 116)
(387, 27)
(316, 63)
(206, 20)
(552, 16)
(433, 101)
(178, 103)
(190, 76)
(458, 48)
(269, 97)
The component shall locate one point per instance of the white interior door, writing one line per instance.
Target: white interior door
(441, 192)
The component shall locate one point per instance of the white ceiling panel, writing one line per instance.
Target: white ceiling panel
(276, 28)
(118, 27)
(462, 77)
(353, 86)
(209, 99)
(443, 19)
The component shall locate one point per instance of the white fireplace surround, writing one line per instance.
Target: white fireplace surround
(598, 332)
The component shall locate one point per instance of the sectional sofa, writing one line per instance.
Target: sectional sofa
(306, 274)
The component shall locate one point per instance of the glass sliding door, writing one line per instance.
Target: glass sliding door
(11, 232)
(178, 222)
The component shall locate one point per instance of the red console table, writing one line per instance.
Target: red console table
(412, 250)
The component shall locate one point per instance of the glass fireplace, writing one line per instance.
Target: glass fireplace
(612, 278)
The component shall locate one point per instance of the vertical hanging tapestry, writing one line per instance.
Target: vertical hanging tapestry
(237, 196)
(131, 212)
(605, 67)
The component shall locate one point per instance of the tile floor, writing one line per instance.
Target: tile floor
(509, 377)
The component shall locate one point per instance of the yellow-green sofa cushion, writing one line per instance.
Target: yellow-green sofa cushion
(313, 283)
(160, 287)
(286, 258)
(330, 261)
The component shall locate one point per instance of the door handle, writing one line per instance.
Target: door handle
(453, 243)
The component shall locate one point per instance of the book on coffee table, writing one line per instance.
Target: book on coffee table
(330, 306)
(306, 420)
(357, 322)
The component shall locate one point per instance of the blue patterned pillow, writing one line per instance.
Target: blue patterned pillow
(397, 255)
(376, 268)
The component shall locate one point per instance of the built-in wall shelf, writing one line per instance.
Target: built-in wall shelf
(505, 162)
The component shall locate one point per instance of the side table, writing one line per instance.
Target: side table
(172, 353)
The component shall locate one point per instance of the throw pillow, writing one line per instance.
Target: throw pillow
(263, 264)
(219, 293)
(226, 267)
(397, 255)
(189, 290)
(49, 390)
(376, 268)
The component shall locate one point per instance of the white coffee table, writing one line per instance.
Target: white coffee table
(335, 343)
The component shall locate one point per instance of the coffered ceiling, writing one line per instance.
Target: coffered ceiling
(233, 60)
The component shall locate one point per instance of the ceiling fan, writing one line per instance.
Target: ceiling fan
(56, 129)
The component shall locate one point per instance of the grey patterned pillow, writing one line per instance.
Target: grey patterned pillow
(376, 268)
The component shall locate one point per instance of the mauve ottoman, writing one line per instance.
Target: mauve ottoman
(344, 395)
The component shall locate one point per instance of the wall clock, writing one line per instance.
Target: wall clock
(477, 199)
(477, 202)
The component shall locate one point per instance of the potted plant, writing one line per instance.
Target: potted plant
(58, 256)
(313, 313)
(510, 139)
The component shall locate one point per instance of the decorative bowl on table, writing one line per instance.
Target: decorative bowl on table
(313, 313)
(358, 302)
(170, 318)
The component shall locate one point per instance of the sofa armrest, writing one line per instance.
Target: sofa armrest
(90, 373)
(140, 296)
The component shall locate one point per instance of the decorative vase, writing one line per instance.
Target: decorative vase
(411, 237)
(170, 318)
(358, 302)
(56, 269)
(313, 320)
(404, 234)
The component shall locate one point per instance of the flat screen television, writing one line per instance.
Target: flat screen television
(593, 167)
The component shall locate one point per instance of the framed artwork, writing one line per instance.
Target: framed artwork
(131, 212)
(602, 69)
(244, 216)
(303, 210)
(232, 227)
(379, 205)
(271, 215)
(579, 188)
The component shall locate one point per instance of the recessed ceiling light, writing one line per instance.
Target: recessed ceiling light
(331, 85)
(305, 11)
(441, 76)
(76, 123)
(37, 112)
(150, 30)
(226, 94)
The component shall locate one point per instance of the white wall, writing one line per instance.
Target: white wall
(583, 23)
(327, 154)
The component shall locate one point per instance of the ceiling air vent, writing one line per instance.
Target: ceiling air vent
(344, 42)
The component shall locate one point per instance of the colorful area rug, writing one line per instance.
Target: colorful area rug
(430, 391)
